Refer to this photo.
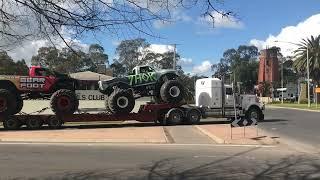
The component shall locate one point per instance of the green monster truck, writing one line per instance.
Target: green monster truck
(143, 81)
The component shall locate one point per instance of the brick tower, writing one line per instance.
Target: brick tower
(268, 66)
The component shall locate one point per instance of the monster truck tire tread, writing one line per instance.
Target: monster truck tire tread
(113, 101)
(165, 91)
(70, 96)
(11, 102)
(19, 104)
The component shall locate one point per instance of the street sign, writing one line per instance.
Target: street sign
(242, 122)
(317, 90)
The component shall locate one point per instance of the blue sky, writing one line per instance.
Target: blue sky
(259, 23)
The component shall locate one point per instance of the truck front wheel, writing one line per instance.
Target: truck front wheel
(8, 102)
(254, 113)
(121, 101)
(64, 102)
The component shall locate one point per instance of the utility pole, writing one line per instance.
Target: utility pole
(308, 76)
(282, 80)
(174, 64)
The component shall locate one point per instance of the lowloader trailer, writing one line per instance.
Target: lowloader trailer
(164, 114)
(213, 99)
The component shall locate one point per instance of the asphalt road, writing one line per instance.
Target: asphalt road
(154, 162)
(297, 128)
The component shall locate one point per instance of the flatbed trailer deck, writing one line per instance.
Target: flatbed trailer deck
(165, 114)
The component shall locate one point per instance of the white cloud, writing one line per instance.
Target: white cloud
(158, 24)
(115, 42)
(185, 62)
(160, 48)
(27, 49)
(177, 15)
(294, 34)
(221, 21)
(203, 68)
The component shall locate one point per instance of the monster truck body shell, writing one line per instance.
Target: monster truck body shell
(40, 81)
(143, 80)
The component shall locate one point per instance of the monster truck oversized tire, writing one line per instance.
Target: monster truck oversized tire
(64, 102)
(8, 102)
(172, 91)
(121, 101)
(19, 104)
(106, 103)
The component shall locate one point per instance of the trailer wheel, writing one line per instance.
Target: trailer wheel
(55, 122)
(172, 91)
(8, 103)
(121, 101)
(19, 104)
(33, 123)
(193, 116)
(64, 102)
(11, 123)
(174, 116)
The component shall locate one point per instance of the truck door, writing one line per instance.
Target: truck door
(229, 97)
(46, 79)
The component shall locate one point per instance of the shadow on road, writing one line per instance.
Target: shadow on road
(273, 120)
(98, 125)
(290, 167)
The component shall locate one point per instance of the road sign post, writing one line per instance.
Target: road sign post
(317, 91)
(242, 122)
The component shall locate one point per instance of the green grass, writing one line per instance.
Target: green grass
(296, 105)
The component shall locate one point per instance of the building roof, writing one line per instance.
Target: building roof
(90, 76)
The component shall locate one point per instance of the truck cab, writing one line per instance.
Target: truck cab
(141, 69)
(219, 100)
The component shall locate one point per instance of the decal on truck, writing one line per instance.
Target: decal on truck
(32, 83)
(142, 78)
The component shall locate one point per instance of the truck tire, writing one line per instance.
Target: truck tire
(34, 123)
(19, 104)
(64, 102)
(174, 116)
(11, 123)
(55, 122)
(121, 101)
(255, 113)
(193, 116)
(172, 91)
(8, 103)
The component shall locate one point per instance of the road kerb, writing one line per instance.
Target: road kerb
(279, 107)
(210, 135)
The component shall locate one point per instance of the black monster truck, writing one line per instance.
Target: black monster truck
(143, 81)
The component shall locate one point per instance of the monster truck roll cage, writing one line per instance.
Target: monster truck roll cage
(163, 114)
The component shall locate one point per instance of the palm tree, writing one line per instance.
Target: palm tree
(300, 57)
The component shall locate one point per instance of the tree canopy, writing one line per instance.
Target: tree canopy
(240, 65)
(68, 60)
(9, 67)
(300, 57)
